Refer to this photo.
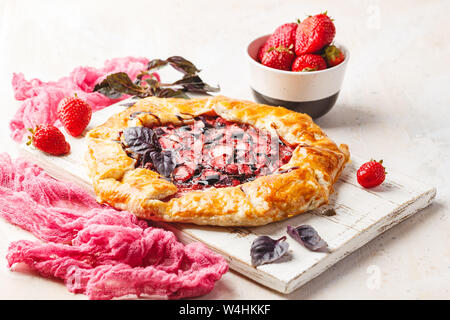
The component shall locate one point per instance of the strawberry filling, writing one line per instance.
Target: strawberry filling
(212, 151)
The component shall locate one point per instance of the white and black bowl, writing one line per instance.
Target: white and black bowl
(314, 93)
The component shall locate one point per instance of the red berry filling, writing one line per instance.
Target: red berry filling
(212, 151)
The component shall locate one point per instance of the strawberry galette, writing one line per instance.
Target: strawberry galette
(213, 161)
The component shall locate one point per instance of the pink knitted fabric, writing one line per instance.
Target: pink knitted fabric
(95, 249)
(40, 99)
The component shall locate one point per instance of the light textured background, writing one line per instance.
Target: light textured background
(393, 105)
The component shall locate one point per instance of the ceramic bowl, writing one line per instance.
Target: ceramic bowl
(314, 93)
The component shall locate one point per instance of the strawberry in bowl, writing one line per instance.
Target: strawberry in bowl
(314, 34)
(309, 62)
(298, 66)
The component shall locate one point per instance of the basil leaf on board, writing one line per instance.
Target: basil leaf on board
(266, 250)
(329, 213)
(308, 237)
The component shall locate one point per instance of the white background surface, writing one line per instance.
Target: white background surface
(394, 105)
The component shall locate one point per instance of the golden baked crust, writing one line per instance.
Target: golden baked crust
(304, 183)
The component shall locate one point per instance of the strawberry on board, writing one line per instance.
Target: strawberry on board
(74, 114)
(333, 55)
(49, 139)
(284, 36)
(308, 62)
(314, 33)
(278, 58)
(371, 174)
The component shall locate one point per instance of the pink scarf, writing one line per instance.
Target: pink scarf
(95, 249)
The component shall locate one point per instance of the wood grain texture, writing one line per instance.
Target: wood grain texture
(361, 215)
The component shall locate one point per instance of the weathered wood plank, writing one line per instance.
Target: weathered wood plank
(361, 215)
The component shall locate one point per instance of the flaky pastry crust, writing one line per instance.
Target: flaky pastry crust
(304, 183)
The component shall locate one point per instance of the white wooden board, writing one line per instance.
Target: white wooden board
(361, 215)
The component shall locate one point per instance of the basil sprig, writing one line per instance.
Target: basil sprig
(147, 84)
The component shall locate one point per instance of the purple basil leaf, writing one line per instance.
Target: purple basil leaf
(266, 250)
(194, 83)
(163, 162)
(153, 83)
(141, 140)
(170, 93)
(183, 65)
(143, 159)
(105, 89)
(116, 84)
(308, 236)
(156, 64)
(194, 79)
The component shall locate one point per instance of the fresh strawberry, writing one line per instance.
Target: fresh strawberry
(264, 48)
(50, 139)
(74, 114)
(278, 58)
(314, 33)
(371, 174)
(308, 62)
(284, 36)
(333, 55)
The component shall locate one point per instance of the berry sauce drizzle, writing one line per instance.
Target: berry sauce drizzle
(212, 151)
